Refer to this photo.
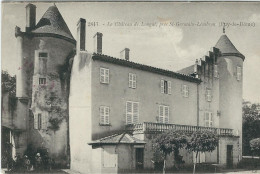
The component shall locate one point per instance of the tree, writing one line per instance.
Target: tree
(255, 146)
(251, 125)
(168, 142)
(202, 141)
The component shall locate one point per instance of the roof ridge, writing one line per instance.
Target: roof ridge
(139, 64)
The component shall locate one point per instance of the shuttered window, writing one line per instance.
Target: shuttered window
(104, 115)
(185, 91)
(166, 87)
(132, 112)
(163, 114)
(208, 95)
(40, 121)
(132, 80)
(208, 117)
(104, 75)
(42, 81)
(239, 73)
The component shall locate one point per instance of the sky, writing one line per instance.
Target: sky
(167, 35)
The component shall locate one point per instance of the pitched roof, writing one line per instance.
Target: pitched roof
(188, 70)
(53, 23)
(227, 48)
(134, 65)
(118, 139)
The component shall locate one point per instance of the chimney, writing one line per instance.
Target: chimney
(124, 54)
(30, 17)
(98, 43)
(81, 33)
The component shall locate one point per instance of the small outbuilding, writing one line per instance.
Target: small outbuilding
(118, 153)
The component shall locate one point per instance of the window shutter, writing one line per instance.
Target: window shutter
(107, 115)
(135, 113)
(130, 80)
(166, 114)
(161, 114)
(107, 75)
(35, 121)
(134, 80)
(39, 121)
(128, 112)
(102, 114)
(169, 87)
(102, 75)
(211, 119)
(162, 86)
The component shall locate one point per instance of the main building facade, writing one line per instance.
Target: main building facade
(101, 113)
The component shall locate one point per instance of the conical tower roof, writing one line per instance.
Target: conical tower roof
(53, 23)
(227, 48)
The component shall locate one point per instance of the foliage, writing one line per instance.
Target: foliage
(8, 83)
(168, 142)
(54, 124)
(251, 125)
(255, 146)
(202, 141)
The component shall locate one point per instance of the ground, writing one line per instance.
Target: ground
(68, 171)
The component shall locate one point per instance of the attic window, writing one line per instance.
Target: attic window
(42, 54)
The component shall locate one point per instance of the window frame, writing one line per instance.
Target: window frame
(165, 118)
(185, 91)
(105, 75)
(208, 122)
(106, 115)
(208, 95)
(132, 80)
(42, 79)
(239, 73)
(166, 86)
(132, 114)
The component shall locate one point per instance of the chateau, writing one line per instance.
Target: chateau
(99, 114)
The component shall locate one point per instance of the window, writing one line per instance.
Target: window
(132, 112)
(104, 75)
(132, 80)
(165, 87)
(208, 95)
(42, 81)
(239, 73)
(208, 119)
(163, 114)
(216, 71)
(42, 54)
(40, 121)
(104, 115)
(185, 91)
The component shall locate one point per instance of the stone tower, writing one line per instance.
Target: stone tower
(230, 65)
(44, 55)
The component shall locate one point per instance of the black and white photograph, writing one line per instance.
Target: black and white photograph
(130, 87)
